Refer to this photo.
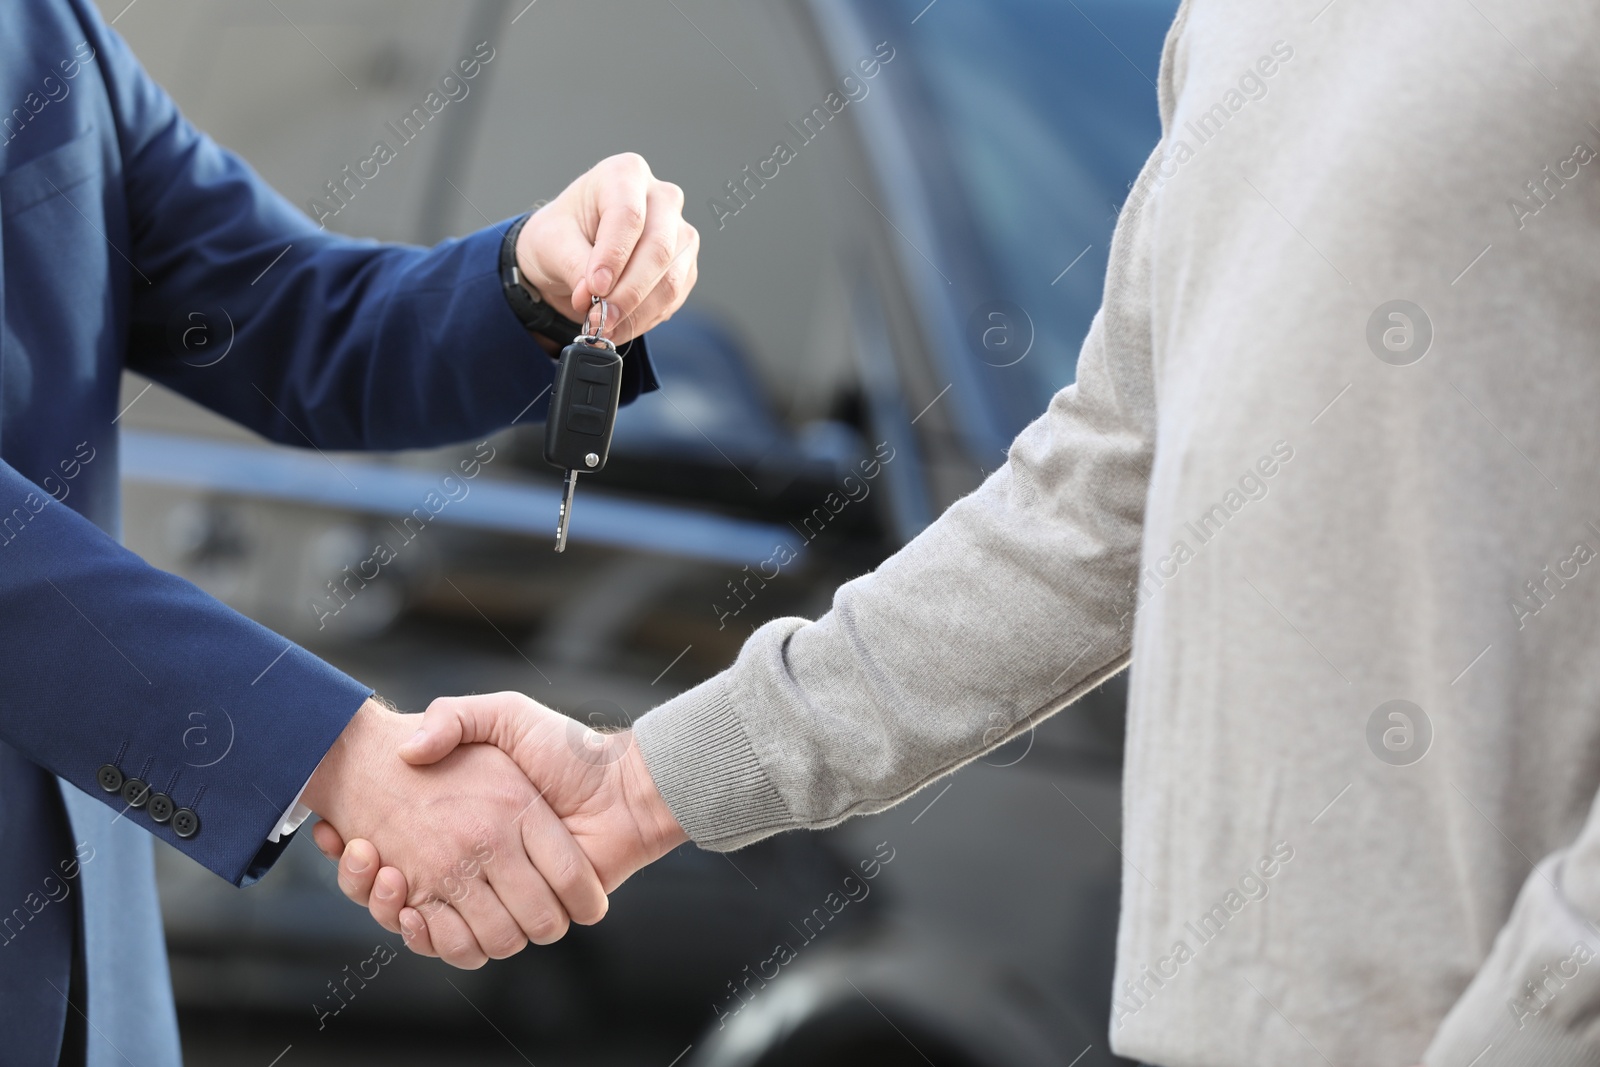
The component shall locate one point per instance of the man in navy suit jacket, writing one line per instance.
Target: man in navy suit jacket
(117, 217)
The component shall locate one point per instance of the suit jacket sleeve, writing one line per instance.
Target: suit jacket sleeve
(331, 341)
(112, 663)
(115, 667)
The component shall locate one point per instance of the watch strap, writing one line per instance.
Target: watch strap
(536, 315)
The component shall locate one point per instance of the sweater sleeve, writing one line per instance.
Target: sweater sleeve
(1536, 998)
(1015, 602)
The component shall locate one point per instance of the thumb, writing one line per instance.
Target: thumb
(441, 731)
(620, 187)
(453, 721)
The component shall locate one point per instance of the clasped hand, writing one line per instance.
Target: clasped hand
(498, 822)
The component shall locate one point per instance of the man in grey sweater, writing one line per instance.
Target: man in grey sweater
(1327, 478)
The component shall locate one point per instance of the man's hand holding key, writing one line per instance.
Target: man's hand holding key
(615, 240)
(617, 232)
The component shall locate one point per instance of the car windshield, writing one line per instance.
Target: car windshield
(1029, 120)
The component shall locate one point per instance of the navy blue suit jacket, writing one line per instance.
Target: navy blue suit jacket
(118, 219)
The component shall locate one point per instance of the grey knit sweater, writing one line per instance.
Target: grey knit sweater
(1330, 474)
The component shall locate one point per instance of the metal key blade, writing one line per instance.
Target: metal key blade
(569, 485)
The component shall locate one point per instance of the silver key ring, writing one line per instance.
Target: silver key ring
(601, 329)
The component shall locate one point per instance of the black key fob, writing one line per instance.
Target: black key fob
(583, 406)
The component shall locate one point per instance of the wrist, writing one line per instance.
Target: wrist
(523, 249)
(322, 793)
(528, 292)
(545, 341)
(657, 825)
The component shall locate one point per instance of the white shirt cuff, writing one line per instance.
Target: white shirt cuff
(293, 817)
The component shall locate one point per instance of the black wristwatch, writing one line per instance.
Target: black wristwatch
(536, 316)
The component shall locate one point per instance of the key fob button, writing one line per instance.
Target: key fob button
(587, 420)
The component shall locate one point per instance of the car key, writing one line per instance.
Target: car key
(583, 411)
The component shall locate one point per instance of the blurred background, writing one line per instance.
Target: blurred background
(905, 284)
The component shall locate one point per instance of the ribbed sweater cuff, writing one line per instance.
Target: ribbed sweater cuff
(711, 778)
(1480, 1033)
(1533, 1001)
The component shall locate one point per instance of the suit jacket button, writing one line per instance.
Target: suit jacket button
(135, 793)
(110, 778)
(161, 807)
(185, 823)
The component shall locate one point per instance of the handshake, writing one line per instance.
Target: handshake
(498, 822)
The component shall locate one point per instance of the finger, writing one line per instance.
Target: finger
(533, 906)
(493, 927)
(450, 937)
(657, 308)
(566, 885)
(622, 200)
(655, 251)
(389, 893)
(414, 932)
(670, 292)
(358, 869)
(327, 840)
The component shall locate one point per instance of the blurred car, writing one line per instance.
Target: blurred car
(902, 294)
